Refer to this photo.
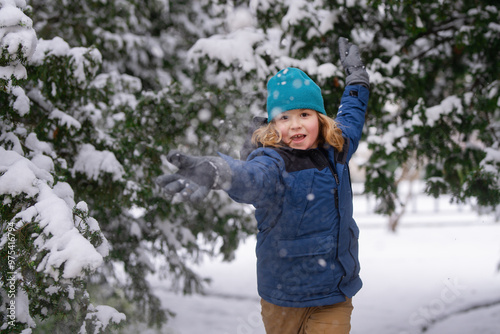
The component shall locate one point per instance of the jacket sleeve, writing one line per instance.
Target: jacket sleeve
(351, 115)
(258, 180)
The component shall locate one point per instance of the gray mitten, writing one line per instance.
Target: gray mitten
(196, 176)
(352, 63)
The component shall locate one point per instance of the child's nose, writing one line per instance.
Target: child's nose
(295, 123)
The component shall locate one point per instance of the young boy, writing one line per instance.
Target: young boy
(298, 182)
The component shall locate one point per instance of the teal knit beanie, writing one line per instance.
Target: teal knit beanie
(292, 89)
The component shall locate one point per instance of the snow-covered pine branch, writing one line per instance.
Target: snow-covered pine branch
(49, 243)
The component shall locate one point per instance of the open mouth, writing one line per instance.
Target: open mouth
(297, 137)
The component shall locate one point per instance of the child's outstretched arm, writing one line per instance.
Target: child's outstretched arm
(244, 181)
(196, 176)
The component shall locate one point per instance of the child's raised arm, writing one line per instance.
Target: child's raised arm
(351, 114)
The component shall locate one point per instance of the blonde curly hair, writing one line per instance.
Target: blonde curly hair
(329, 133)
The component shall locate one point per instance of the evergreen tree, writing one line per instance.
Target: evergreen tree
(434, 83)
(49, 243)
(106, 137)
(443, 115)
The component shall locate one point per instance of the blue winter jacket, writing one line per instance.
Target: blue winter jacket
(307, 243)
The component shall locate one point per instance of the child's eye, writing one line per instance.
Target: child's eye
(305, 114)
(283, 117)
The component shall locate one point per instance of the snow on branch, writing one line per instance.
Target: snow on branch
(84, 61)
(17, 36)
(234, 48)
(101, 316)
(18, 42)
(49, 237)
(92, 163)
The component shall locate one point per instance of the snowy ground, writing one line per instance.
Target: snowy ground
(437, 272)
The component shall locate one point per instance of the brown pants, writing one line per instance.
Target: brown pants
(331, 319)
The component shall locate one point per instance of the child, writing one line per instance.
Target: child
(307, 244)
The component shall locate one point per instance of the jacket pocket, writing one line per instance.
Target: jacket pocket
(306, 266)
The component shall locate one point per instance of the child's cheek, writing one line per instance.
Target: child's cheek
(281, 132)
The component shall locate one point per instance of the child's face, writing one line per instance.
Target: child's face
(299, 128)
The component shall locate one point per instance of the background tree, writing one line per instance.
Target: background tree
(445, 116)
(434, 101)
